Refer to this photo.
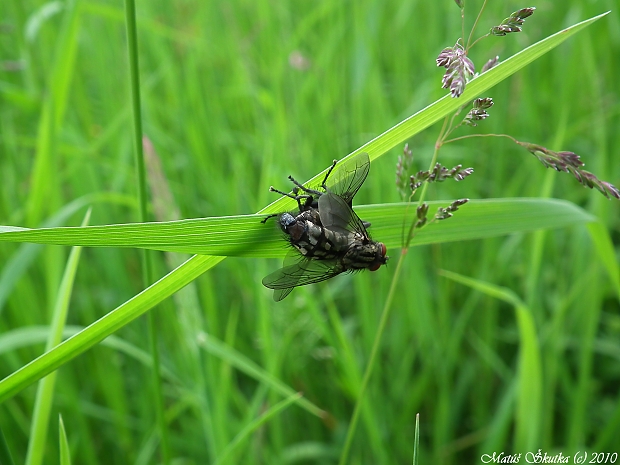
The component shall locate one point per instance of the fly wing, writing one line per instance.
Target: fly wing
(349, 176)
(298, 271)
(280, 294)
(336, 215)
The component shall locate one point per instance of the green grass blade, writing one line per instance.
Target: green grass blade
(105, 326)
(5, 453)
(605, 250)
(21, 260)
(529, 398)
(528, 417)
(44, 173)
(45, 390)
(65, 452)
(416, 441)
(245, 236)
(126, 313)
(33, 335)
(222, 351)
(254, 425)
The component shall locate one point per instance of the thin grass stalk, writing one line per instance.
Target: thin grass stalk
(534, 302)
(254, 425)
(5, 453)
(45, 389)
(385, 315)
(416, 441)
(371, 362)
(147, 268)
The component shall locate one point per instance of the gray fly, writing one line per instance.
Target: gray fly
(343, 182)
(327, 234)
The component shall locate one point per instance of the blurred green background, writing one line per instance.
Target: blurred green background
(236, 96)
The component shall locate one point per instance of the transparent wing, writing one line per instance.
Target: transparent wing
(279, 294)
(299, 271)
(347, 177)
(336, 215)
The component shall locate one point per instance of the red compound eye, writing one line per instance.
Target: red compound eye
(375, 266)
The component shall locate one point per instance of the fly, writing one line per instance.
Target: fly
(330, 236)
(304, 229)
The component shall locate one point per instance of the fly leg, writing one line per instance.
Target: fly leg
(331, 168)
(295, 196)
(314, 191)
(264, 220)
(310, 195)
(309, 192)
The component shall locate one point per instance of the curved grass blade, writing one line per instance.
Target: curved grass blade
(108, 324)
(245, 236)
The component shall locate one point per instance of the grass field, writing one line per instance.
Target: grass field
(505, 343)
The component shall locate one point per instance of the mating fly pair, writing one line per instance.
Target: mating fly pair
(327, 235)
